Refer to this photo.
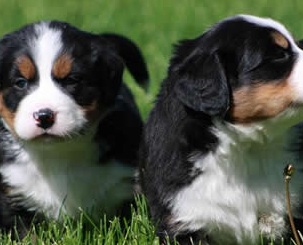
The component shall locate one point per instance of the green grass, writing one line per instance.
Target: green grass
(154, 25)
(139, 231)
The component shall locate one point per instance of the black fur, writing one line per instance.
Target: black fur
(98, 64)
(197, 91)
(135, 64)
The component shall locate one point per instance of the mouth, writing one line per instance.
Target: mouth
(46, 137)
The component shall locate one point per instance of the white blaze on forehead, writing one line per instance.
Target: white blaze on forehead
(267, 22)
(46, 46)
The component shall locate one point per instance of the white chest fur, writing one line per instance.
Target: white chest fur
(240, 192)
(67, 177)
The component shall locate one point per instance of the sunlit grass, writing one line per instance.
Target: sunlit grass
(138, 231)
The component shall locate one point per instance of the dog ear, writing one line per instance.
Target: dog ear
(108, 68)
(202, 85)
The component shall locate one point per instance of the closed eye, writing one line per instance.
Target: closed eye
(279, 55)
(69, 80)
(275, 56)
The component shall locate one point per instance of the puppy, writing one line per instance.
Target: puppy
(70, 129)
(217, 140)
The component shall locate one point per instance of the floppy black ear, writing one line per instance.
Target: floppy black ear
(202, 85)
(108, 68)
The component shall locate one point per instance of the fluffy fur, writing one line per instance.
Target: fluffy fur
(70, 129)
(217, 141)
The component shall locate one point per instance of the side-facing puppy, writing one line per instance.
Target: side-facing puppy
(70, 129)
(216, 143)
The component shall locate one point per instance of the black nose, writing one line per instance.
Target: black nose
(45, 118)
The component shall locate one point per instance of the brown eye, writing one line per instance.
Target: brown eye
(21, 83)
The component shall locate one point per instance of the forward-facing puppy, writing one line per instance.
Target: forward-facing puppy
(70, 129)
(216, 143)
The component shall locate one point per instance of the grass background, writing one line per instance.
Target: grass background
(154, 25)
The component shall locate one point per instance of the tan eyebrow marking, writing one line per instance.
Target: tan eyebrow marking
(26, 67)
(280, 39)
(62, 66)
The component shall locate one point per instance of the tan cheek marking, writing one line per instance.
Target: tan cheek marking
(7, 115)
(62, 66)
(93, 111)
(260, 101)
(280, 39)
(26, 67)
